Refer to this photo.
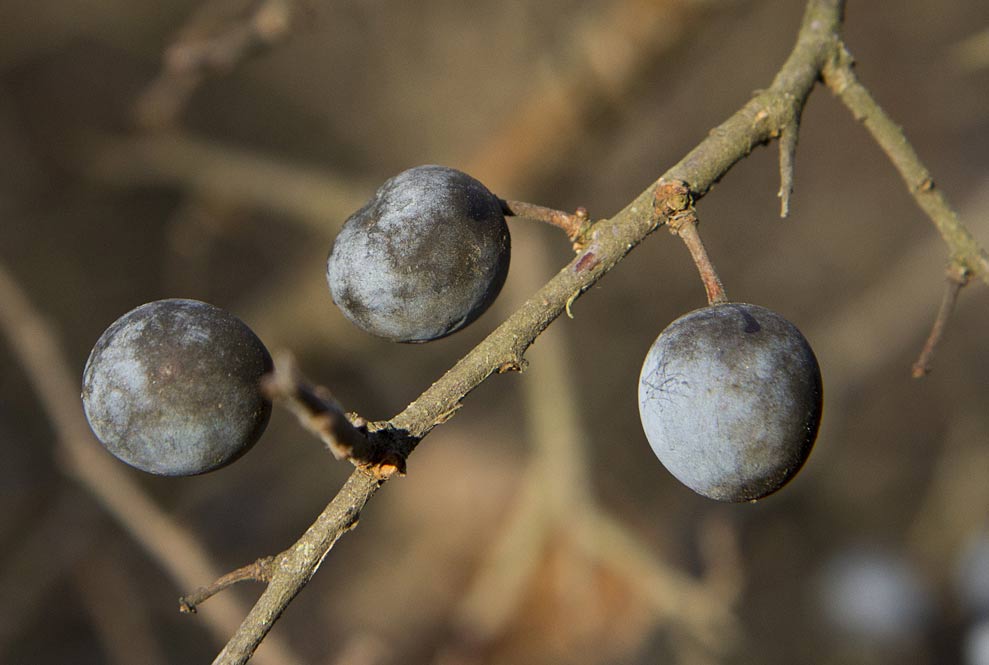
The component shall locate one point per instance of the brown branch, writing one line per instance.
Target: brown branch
(955, 278)
(294, 567)
(669, 592)
(259, 571)
(608, 241)
(964, 249)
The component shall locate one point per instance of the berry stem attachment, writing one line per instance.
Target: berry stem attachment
(684, 224)
(956, 277)
(574, 224)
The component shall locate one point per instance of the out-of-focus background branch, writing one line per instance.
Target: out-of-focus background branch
(234, 195)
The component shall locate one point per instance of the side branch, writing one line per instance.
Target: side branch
(965, 250)
(608, 241)
(259, 571)
(955, 278)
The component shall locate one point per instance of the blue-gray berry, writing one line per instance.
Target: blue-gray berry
(173, 388)
(423, 258)
(730, 400)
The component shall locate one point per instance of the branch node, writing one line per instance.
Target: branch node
(513, 365)
(956, 277)
(671, 197)
(390, 464)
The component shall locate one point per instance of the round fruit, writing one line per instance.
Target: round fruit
(423, 258)
(730, 400)
(173, 388)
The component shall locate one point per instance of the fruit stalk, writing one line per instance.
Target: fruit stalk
(684, 225)
(574, 224)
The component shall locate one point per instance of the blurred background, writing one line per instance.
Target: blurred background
(212, 149)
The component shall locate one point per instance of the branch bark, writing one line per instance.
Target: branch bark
(840, 77)
(768, 115)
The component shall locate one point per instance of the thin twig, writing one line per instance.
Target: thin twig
(259, 571)
(955, 278)
(203, 49)
(964, 249)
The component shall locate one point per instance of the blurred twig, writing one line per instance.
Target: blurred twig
(222, 172)
(31, 570)
(174, 548)
(954, 503)
(606, 50)
(973, 52)
(556, 507)
(219, 35)
(120, 616)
